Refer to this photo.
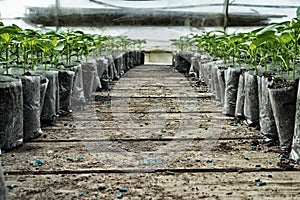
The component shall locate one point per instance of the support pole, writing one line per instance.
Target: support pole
(226, 5)
(57, 12)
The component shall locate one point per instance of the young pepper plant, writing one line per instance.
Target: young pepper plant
(7, 34)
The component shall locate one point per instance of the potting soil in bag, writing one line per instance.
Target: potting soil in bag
(142, 58)
(66, 82)
(11, 113)
(118, 64)
(221, 81)
(126, 61)
(78, 93)
(251, 106)
(283, 101)
(130, 59)
(3, 192)
(212, 82)
(295, 153)
(216, 82)
(208, 74)
(104, 77)
(31, 107)
(201, 72)
(113, 73)
(43, 89)
(90, 79)
(135, 58)
(239, 108)
(266, 116)
(182, 61)
(49, 111)
(195, 65)
(231, 88)
(57, 104)
(102, 67)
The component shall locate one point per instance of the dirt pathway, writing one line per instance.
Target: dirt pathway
(155, 135)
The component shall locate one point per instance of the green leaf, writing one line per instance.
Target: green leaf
(285, 38)
(59, 47)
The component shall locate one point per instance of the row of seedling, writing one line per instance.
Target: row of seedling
(46, 74)
(255, 75)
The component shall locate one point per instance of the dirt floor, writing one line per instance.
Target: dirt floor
(155, 135)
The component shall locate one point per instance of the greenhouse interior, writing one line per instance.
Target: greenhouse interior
(149, 99)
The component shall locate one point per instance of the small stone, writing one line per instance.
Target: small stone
(164, 143)
(258, 165)
(39, 161)
(120, 196)
(246, 157)
(163, 131)
(209, 161)
(242, 141)
(253, 147)
(270, 176)
(239, 171)
(282, 159)
(168, 123)
(120, 141)
(70, 159)
(198, 160)
(80, 158)
(257, 180)
(123, 189)
(102, 187)
(261, 183)
(229, 193)
(80, 194)
(11, 186)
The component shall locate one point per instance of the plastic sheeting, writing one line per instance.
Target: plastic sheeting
(78, 93)
(182, 61)
(295, 153)
(3, 192)
(43, 89)
(239, 108)
(49, 111)
(31, 107)
(66, 82)
(266, 116)
(11, 113)
(112, 71)
(283, 101)
(119, 64)
(231, 87)
(251, 106)
(91, 81)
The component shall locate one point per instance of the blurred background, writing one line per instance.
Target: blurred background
(157, 21)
